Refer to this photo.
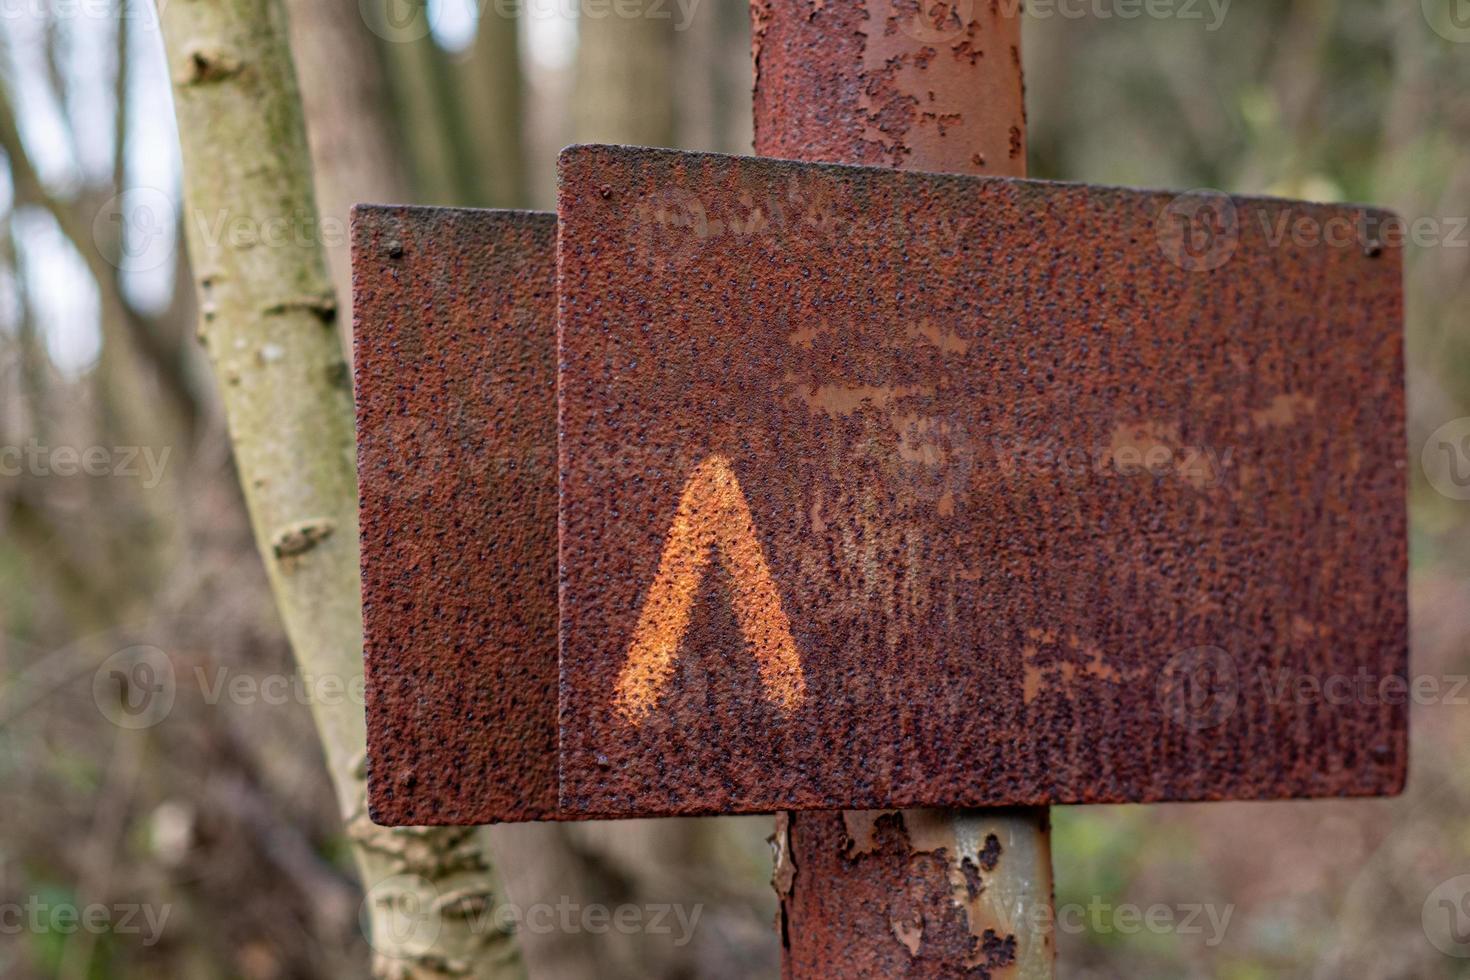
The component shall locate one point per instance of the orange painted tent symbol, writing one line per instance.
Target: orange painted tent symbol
(713, 518)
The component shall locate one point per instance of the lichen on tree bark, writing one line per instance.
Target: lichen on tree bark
(269, 322)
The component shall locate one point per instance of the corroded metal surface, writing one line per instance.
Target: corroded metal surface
(1049, 493)
(871, 91)
(914, 84)
(454, 329)
(936, 894)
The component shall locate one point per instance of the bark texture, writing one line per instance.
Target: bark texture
(624, 87)
(344, 94)
(421, 83)
(269, 322)
(492, 93)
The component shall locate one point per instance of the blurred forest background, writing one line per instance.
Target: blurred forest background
(221, 811)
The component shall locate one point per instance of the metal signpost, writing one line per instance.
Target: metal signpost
(757, 485)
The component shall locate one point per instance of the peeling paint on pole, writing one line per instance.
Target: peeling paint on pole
(912, 84)
(943, 894)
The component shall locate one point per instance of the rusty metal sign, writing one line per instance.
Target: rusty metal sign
(885, 489)
(454, 326)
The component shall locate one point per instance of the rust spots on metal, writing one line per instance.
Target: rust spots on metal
(455, 324)
(910, 84)
(1285, 409)
(924, 893)
(713, 520)
(1010, 464)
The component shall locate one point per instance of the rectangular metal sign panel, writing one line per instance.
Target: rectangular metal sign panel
(889, 489)
(454, 328)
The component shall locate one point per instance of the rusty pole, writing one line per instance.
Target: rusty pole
(933, 85)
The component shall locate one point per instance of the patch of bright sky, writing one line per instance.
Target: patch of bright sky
(549, 33)
(9, 303)
(548, 28)
(62, 294)
(151, 157)
(40, 118)
(7, 188)
(86, 56)
(9, 293)
(70, 143)
(453, 23)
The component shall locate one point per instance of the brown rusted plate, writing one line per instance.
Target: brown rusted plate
(454, 327)
(887, 489)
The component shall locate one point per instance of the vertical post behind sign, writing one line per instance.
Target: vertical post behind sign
(933, 86)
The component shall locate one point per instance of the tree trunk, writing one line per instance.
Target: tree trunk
(420, 80)
(712, 78)
(355, 156)
(268, 321)
(492, 91)
(624, 88)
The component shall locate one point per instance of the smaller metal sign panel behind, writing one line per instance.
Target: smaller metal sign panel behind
(893, 489)
(454, 326)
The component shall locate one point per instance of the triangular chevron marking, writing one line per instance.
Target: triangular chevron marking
(713, 518)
